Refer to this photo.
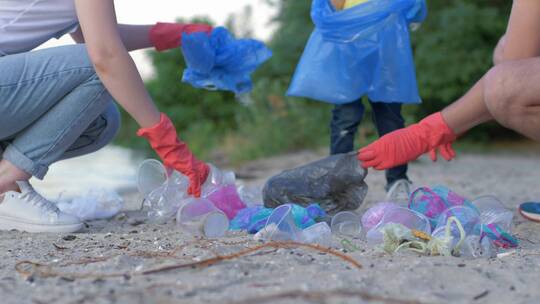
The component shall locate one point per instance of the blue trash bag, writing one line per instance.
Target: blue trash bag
(220, 62)
(253, 219)
(363, 50)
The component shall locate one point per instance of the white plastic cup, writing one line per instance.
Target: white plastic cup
(346, 223)
(201, 218)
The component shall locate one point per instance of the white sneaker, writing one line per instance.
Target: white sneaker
(31, 212)
(399, 192)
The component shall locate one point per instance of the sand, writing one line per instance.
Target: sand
(126, 245)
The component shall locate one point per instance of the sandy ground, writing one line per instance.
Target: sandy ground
(126, 246)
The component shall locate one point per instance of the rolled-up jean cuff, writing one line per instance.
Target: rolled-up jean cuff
(17, 158)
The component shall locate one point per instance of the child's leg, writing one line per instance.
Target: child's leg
(387, 118)
(345, 121)
(50, 98)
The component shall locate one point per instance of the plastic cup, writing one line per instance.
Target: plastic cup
(346, 223)
(281, 226)
(375, 214)
(492, 211)
(406, 217)
(150, 176)
(319, 233)
(226, 199)
(468, 218)
(201, 218)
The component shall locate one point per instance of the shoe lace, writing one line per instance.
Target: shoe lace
(39, 201)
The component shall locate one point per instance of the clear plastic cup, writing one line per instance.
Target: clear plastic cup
(406, 217)
(346, 223)
(216, 178)
(280, 225)
(492, 211)
(201, 218)
(319, 234)
(467, 217)
(226, 199)
(150, 176)
(375, 214)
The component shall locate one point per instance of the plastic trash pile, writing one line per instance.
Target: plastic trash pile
(220, 62)
(438, 221)
(166, 197)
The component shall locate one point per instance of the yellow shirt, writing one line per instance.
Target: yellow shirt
(351, 3)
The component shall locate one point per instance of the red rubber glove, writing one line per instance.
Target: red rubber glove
(404, 145)
(166, 36)
(176, 154)
(446, 151)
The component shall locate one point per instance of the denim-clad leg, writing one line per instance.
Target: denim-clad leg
(53, 106)
(344, 125)
(387, 118)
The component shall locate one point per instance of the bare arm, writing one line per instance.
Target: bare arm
(134, 37)
(112, 62)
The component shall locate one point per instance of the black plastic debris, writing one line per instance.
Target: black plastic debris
(336, 183)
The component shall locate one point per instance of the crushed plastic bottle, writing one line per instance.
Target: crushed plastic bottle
(96, 204)
(200, 217)
(346, 223)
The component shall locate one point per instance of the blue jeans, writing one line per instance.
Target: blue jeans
(347, 117)
(52, 107)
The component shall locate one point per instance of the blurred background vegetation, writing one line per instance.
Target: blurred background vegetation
(453, 49)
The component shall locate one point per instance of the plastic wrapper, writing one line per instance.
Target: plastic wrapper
(220, 62)
(374, 215)
(253, 219)
(96, 204)
(227, 200)
(336, 183)
(363, 50)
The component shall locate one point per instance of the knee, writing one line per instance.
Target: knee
(500, 96)
(112, 124)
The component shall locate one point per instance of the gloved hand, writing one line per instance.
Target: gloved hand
(404, 145)
(166, 36)
(175, 154)
(446, 151)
